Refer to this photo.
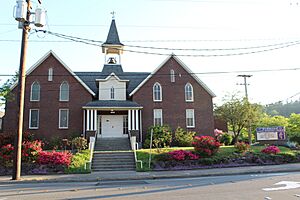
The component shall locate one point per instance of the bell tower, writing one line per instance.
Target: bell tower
(112, 47)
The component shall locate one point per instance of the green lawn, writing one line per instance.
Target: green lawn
(144, 154)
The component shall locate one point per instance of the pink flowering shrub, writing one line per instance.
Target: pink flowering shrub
(206, 145)
(181, 155)
(6, 153)
(30, 151)
(271, 150)
(54, 158)
(242, 147)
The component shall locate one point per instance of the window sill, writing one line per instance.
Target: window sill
(33, 128)
(190, 127)
(63, 128)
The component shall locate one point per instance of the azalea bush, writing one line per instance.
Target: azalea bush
(181, 155)
(271, 150)
(6, 154)
(30, 150)
(242, 147)
(225, 139)
(54, 158)
(206, 145)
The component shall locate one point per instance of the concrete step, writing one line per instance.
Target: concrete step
(112, 169)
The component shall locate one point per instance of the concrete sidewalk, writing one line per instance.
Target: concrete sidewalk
(132, 175)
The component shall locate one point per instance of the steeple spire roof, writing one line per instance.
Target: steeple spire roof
(113, 36)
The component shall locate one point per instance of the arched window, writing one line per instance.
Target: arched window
(64, 91)
(188, 91)
(35, 91)
(172, 75)
(157, 92)
(112, 93)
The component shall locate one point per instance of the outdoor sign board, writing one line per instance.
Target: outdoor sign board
(270, 133)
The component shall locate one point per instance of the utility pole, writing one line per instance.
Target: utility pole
(22, 15)
(245, 83)
(21, 93)
(246, 95)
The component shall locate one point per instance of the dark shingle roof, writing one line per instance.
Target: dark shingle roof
(113, 36)
(112, 104)
(135, 78)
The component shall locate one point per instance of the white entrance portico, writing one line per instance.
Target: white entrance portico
(112, 118)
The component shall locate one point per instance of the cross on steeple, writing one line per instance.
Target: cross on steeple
(113, 13)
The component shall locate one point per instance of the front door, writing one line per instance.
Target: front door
(112, 125)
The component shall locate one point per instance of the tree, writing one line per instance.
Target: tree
(238, 113)
(6, 88)
(293, 128)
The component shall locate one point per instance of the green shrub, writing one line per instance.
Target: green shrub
(294, 137)
(162, 137)
(183, 138)
(225, 138)
(78, 162)
(79, 143)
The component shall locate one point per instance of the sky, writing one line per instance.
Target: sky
(235, 37)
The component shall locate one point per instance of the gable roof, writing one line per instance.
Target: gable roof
(134, 78)
(184, 67)
(113, 36)
(41, 60)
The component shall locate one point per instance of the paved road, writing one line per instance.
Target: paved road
(244, 187)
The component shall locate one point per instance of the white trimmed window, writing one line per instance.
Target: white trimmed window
(190, 118)
(112, 93)
(157, 92)
(157, 117)
(64, 91)
(50, 74)
(172, 75)
(63, 118)
(34, 118)
(35, 91)
(189, 93)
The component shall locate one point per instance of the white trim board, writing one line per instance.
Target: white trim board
(39, 62)
(184, 67)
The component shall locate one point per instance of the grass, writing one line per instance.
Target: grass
(224, 151)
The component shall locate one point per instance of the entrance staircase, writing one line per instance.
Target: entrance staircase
(113, 154)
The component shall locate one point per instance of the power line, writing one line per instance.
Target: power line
(166, 74)
(95, 43)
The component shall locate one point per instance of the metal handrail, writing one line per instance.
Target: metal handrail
(134, 147)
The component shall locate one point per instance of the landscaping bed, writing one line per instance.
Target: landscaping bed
(226, 156)
(35, 160)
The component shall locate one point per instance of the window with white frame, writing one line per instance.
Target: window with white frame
(50, 74)
(33, 118)
(157, 92)
(64, 91)
(157, 117)
(35, 91)
(172, 75)
(190, 118)
(63, 118)
(189, 93)
(112, 93)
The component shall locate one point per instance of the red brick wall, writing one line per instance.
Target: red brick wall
(173, 102)
(49, 103)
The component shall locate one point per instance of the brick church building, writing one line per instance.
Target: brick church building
(111, 102)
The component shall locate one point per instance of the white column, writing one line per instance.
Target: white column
(133, 119)
(92, 119)
(141, 127)
(95, 120)
(84, 122)
(136, 119)
(88, 127)
(129, 120)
